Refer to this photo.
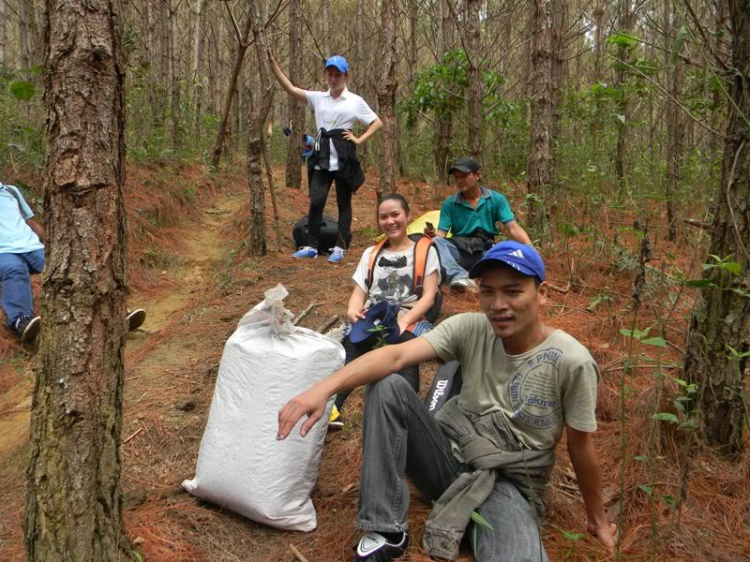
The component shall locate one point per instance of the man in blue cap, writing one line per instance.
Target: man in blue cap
(471, 216)
(335, 155)
(490, 448)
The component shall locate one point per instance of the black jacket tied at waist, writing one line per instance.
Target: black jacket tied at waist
(350, 171)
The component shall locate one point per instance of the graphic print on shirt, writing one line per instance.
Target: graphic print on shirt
(394, 286)
(533, 390)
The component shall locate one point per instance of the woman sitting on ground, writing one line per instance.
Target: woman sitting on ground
(392, 280)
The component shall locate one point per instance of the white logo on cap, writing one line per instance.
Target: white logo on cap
(518, 254)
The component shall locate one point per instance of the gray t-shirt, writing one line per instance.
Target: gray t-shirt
(540, 391)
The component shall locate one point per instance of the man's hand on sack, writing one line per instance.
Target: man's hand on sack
(348, 135)
(355, 316)
(311, 403)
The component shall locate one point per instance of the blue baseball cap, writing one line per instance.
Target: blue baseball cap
(339, 63)
(520, 257)
(383, 314)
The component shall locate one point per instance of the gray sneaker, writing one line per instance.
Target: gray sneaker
(463, 284)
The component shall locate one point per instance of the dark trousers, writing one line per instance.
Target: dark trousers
(320, 185)
(411, 374)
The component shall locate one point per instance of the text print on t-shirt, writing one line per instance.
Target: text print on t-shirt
(533, 390)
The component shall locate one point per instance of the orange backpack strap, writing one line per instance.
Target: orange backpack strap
(374, 256)
(421, 249)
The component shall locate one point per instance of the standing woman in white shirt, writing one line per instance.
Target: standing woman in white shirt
(335, 156)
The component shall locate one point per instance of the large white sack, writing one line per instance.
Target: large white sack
(241, 465)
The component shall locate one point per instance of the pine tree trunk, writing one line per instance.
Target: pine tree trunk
(258, 241)
(387, 99)
(721, 322)
(623, 56)
(3, 33)
(74, 502)
(474, 91)
(673, 117)
(539, 167)
(443, 119)
(295, 110)
(221, 133)
(198, 43)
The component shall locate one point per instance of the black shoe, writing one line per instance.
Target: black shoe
(335, 422)
(374, 547)
(136, 318)
(27, 328)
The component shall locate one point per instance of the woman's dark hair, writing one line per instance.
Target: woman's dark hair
(395, 197)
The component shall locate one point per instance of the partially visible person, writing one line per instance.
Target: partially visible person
(335, 155)
(396, 273)
(21, 256)
(471, 216)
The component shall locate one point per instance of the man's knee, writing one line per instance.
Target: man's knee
(13, 268)
(386, 391)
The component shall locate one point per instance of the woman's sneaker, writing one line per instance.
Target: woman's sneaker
(374, 547)
(337, 255)
(136, 318)
(305, 252)
(463, 284)
(335, 422)
(27, 328)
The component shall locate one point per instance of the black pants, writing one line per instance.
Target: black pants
(411, 374)
(320, 185)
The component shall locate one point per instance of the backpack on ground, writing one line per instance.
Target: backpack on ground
(329, 232)
(446, 384)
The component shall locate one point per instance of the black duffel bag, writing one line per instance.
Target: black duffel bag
(446, 384)
(329, 230)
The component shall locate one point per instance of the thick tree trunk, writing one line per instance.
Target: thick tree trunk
(387, 99)
(721, 322)
(258, 241)
(74, 502)
(295, 110)
(539, 168)
(474, 91)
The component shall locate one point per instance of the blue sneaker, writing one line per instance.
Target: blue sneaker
(337, 255)
(305, 252)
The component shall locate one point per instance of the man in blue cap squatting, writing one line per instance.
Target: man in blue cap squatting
(491, 448)
(335, 155)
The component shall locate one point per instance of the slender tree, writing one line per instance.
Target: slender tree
(256, 122)
(387, 98)
(719, 325)
(474, 90)
(74, 502)
(295, 110)
(673, 117)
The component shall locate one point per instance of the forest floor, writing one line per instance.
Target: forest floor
(190, 271)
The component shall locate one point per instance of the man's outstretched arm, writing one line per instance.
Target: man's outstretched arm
(369, 368)
(586, 465)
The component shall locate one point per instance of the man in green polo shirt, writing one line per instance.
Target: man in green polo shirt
(471, 216)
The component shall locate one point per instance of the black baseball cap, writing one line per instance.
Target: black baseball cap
(466, 165)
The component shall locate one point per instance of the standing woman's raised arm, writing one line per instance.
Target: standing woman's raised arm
(289, 88)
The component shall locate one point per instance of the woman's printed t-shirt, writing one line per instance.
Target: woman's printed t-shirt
(540, 391)
(392, 276)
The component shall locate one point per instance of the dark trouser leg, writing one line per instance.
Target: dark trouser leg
(15, 275)
(320, 184)
(411, 374)
(399, 438)
(344, 202)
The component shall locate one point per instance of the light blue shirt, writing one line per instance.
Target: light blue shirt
(16, 237)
